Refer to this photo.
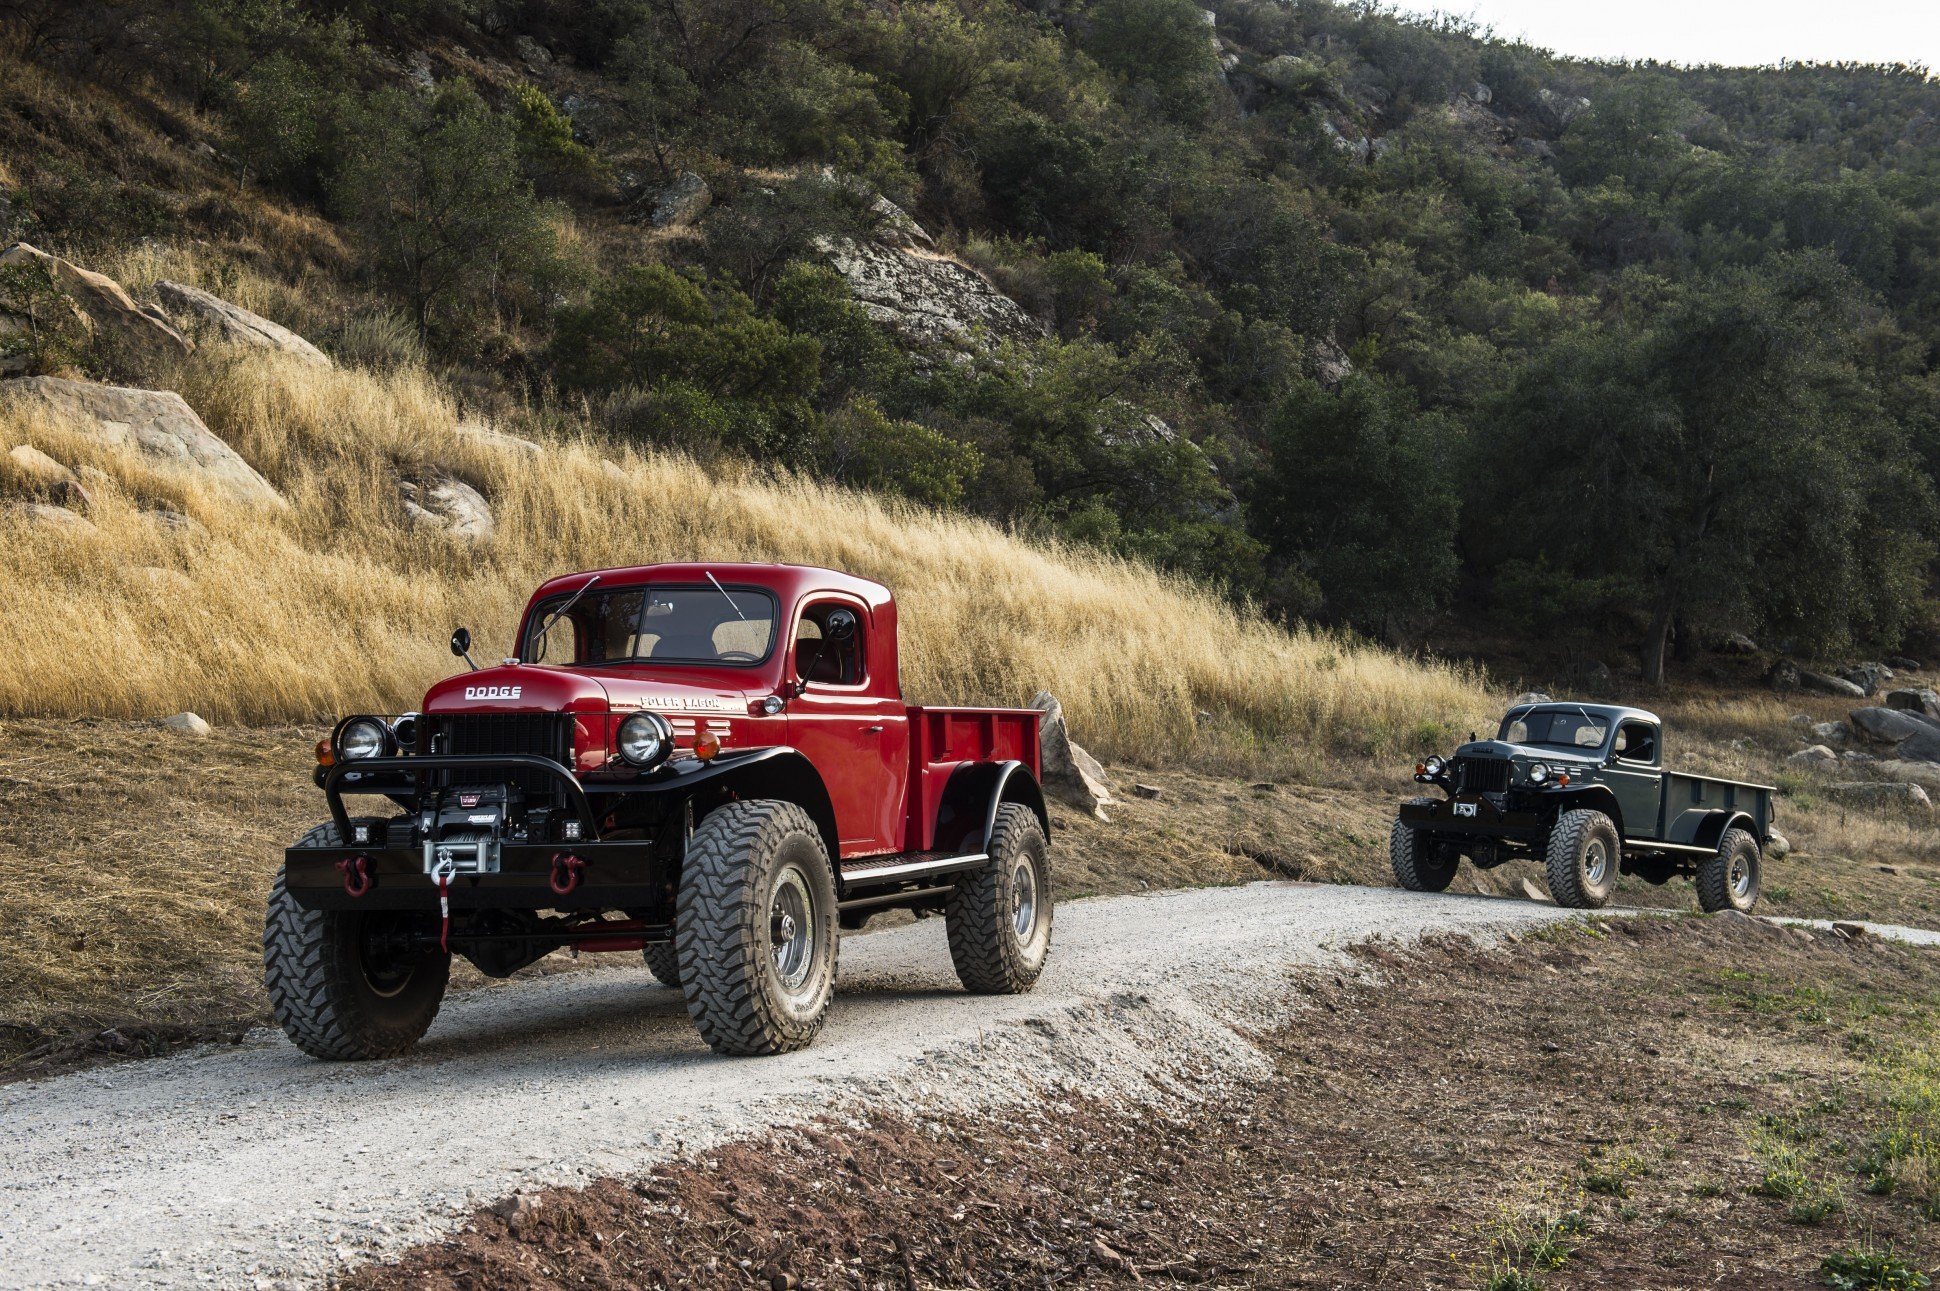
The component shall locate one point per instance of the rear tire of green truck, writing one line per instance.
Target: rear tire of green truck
(1420, 863)
(337, 983)
(999, 917)
(1731, 879)
(663, 961)
(1582, 858)
(755, 928)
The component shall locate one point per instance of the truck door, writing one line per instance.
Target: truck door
(1636, 777)
(851, 724)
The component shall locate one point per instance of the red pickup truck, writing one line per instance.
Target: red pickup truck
(709, 764)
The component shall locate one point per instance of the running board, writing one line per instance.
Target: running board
(919, 865)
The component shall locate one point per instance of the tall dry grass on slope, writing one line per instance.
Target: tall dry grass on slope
(335, 605)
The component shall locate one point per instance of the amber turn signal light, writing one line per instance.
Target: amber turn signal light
(706, 745)
(326, 757)
(1563, 779)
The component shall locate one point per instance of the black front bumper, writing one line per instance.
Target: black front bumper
(611, 876)
(1472, 815)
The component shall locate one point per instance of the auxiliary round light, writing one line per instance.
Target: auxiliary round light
(646, 739)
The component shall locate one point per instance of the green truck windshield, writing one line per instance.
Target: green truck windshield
(1563, 730)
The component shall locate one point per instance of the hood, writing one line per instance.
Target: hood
(1529, 753)
(516, 688)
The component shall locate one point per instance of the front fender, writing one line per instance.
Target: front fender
(778, 772)
(1596, 797)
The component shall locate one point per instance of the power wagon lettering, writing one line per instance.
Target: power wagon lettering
(719, 748)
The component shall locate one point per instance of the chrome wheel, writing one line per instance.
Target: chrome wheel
(1023, 899)
(791, 929)
(1740, 876)
(1596, 863)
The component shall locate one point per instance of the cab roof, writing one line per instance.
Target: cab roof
(1612, 713)
(788, 582)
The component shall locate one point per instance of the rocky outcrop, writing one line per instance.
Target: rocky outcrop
(235, 324)
(1561, 109)
(1888, 725)
(1070, 774)
(1736, 643)
(681, 202)
(45, 515)
(927, 297)
(442, 505)
(157, 424)
(111, 313)
(43, 475)
(1869, 677)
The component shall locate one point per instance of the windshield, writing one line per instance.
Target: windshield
(733, 626)
(1569, 729)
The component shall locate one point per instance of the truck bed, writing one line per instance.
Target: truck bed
(943, 739)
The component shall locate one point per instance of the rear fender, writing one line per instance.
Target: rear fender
(968, 813)
(1710, 828)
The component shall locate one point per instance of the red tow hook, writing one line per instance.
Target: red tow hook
(567, 870)
(357, 876)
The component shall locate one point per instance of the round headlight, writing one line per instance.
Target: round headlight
(1434, 766)
(362, 737)
(646, 739)
(1538, 773)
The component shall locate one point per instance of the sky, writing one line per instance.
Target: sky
(1733, 32)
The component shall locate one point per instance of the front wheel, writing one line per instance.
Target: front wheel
(1730, 880)
(755, 928)
(1583, 854)
(349, 984)
(999, 916)
(1420, 863)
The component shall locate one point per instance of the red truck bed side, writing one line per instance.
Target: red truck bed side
(942, 739)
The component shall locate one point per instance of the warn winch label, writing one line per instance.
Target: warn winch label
(493, 692)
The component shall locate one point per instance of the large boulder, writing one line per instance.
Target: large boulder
(1817, 758)
(1826, 685)
(1922, 701)
(681, 202)
(1924, 774)
(235, 324)
(1921, 746)
(111, 312)
(1070, 773)
(1869, 677)
(927, 297)
(158, 424)
(1888, 725)
(440, 504)
(1882, 793)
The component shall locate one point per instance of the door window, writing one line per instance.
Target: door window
(1636, 742)
(826, 655)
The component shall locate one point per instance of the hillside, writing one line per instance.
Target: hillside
(1370, 322)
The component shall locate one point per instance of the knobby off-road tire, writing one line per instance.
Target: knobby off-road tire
(663, 961)
(999, 916)
(755, 928)
(1420, 863)
(1583, 856)
(330, 988)
(1731, 879)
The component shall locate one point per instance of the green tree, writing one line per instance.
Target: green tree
(434, 188)
(1164, 47)
(1357, 499)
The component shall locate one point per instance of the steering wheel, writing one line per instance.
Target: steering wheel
(736, 656)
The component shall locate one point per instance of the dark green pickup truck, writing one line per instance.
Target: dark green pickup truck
(1582, 789)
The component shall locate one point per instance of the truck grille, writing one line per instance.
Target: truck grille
(1481, 775)
(546, 735)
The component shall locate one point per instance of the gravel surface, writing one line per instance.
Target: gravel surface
(254, 1166)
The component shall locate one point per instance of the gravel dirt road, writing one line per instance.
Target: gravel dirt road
(254, 1166)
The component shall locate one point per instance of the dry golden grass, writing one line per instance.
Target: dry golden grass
(334, 605)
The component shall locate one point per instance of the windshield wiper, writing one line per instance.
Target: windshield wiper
(552, 618)
(724, 592)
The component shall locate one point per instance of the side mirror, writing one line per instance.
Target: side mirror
(461, 645)
(841, 625)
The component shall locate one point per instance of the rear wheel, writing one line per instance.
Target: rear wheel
(1420, 863)
(1731, 879)
(349, 984)
(756, 928)
(999, 916)
(1583, 855)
